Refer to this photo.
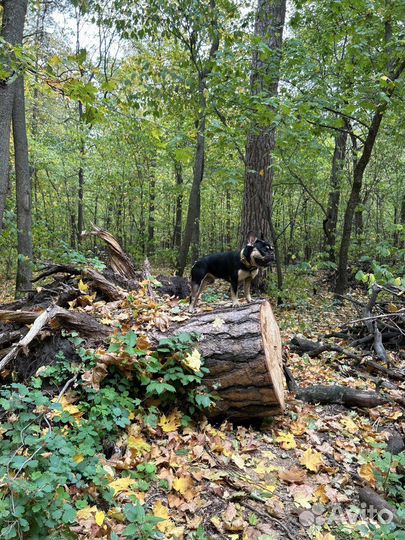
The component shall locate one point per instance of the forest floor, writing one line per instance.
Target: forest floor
(295, 476)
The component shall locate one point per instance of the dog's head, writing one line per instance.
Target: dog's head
(259, 252)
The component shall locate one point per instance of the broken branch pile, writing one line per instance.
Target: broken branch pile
(367, 342)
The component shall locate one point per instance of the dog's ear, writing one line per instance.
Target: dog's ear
(251, 238)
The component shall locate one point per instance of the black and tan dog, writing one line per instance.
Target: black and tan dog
(233, 267)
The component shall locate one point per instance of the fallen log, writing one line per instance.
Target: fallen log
(341, 395)
(242, 350)
(334, 394)
(315, 348)
(378, 506)
(54, 316)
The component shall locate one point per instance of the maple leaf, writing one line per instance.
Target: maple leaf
(320, 492)
(95, 376)
(170, 423)
(286, 440)
(349, 425)
(298, 427)
(193, 360)
(312, 460)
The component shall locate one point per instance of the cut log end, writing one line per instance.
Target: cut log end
(273, 351)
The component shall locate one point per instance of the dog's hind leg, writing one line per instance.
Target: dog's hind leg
(196, 290)
(195, 287)
(234, 293)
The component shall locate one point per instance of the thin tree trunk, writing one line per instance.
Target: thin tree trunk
(179, 206)
(192, 229)
(354, 199)
(80, 191)
(23, 192)
(330, 221)
(151, 210)
(261, 141)
(12, 32)
(228, 239)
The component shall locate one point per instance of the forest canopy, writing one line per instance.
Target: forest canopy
(180, 126)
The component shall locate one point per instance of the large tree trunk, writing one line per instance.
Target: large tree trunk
(242, 350)
(330, 221)
(23, 192)
(262, 139)
(12, 32)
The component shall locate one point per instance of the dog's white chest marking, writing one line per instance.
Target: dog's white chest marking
(244, 274)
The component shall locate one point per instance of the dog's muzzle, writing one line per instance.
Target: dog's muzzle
(265, 261)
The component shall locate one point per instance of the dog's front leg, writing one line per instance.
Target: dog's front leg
(246, 287)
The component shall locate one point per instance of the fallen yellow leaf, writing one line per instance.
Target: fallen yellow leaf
(121, 484)
(139, 444)
(350, 426)
(193, 360)
(183, 484)
(83, 287)
(286, 440)
(100, 517)
(78, 458)
(170, 423)
(85, 513)
(312, 460)
(367, 472)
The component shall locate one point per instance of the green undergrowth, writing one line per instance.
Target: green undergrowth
(55, 427)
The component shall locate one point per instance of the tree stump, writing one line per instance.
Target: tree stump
(242, 349)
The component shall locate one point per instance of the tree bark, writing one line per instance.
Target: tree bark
(12, 32)
(261, 141)
(330, 221)
(23, 192)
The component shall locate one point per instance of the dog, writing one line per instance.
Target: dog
(233, 267)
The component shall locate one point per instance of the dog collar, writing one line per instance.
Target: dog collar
(245, 262)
